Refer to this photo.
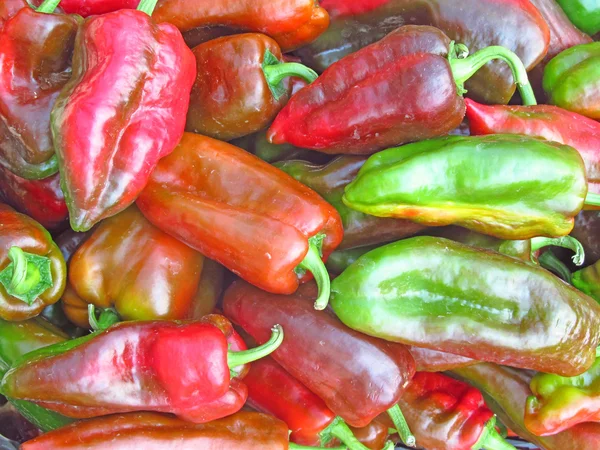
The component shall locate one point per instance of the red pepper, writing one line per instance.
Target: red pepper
(545, 121)
(87, 8)
(129, 367)
(428, 360)
(123, 109)
(244, 213)
(8, 8)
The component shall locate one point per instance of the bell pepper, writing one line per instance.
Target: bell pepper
(585, 14)
(473, 182)
(32, 270)
(329, 181)
(506, 390)
(150, 431)
(252, 218)
(572, 80)
(35, 63)
(291, 23)
(122, 110)
(129, 367)
(274, 391)
(257, 87)
(358, 377)
(411, 83)
(42, 200)
(439, 294)
(476, 23)
(129, 264)
(259, 145)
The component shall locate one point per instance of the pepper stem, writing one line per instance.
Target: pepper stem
(490, 439)
(48, 6)
(564, 242)
(315, 265)
(340, 430)
(401, 426)
(464, 67)
(275, 71)
(235, 359)
(592, 199)
(27, 276)
(549, 261)
(108, 317)
(147, 6)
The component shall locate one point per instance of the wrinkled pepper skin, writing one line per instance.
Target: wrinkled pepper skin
(344, 110)
(358, 377)
(472, 181)
(506, 390)
(329, 181)
(87, 8)
(108, 145)
(544, 121)
(572, 80)
(42, 200)
(585, 14)
(129, 264)
(292, 23)
(151, 431)
(35, 63)
(136, 359)
(424, 297)
(244, 103)
(238, 210)
(19, 230)
(476, 23)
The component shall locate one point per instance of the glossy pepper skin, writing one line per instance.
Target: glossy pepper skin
(572, 80)
(42, 200)
(544, 121)
(428, 360)
(329, 180)
(358, 377)
(129, 368)
(425, 297)
(473, 182)
(240, 211)
(19, 230)
(129, 264)
(506, 390)
(585, 14)
(151, 431)
(87, 8)
(108, 144)
(292, 23)
(477, 24)
(35, 64)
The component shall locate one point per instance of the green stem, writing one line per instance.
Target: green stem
(490, 439)
(48, 6)
(315, 265)
(549, 261)
(28, 275)
(108, 317)
(592, 199)
(147, 6)
(275, 71)
(235, 359)
(564, 242)
(340, 430)
(400, 423)
(464, 68)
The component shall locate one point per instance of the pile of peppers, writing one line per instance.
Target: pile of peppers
(300, 224)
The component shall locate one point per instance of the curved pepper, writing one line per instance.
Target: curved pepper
(572, 80)
(42, 200)
(292, 23)
(329, 181)
(410, 82)
(476, 23)
(484, 183)
(122, 110)
(249, 216)
(32, 269)
(35, 63)
(257, 85)
(585, 14)
(129, 367)
(358, 377)
(439, 294)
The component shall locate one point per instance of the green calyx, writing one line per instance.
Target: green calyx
(401, 426)
(106, 318)
(27, 276)
(147, 6)
(565, 242)
(275, 71)
(236, 359)
(549, 261)
(490, 439)
(48, 6)
(338, 429)
(315, 265)
(465, 66)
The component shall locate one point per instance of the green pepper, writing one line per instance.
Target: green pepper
(585, 14)
(445, 296)
(507, 186)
